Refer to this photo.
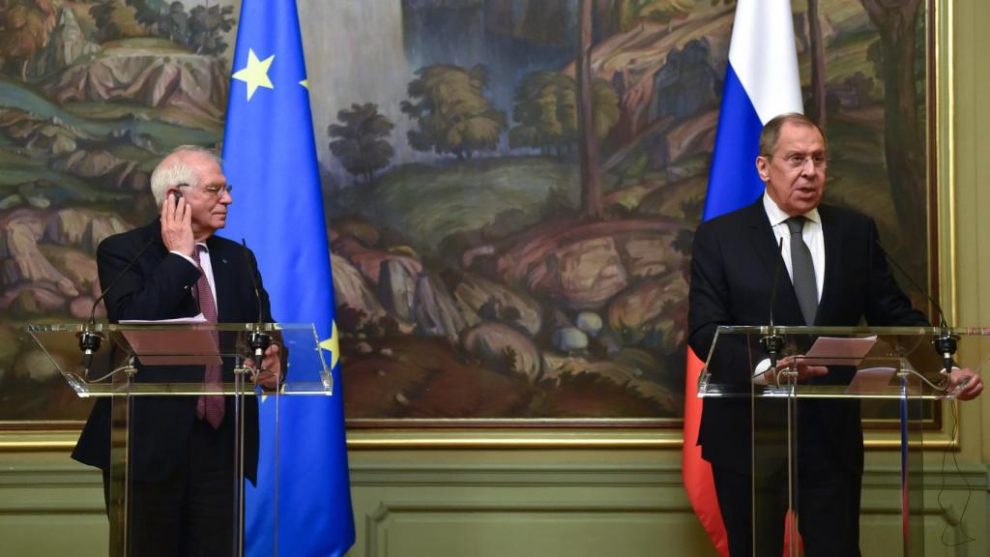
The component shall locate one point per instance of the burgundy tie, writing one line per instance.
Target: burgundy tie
(209, 407)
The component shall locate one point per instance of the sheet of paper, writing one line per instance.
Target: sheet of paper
(840, 351)
(871, 380)
(199, 318)
(174, 347)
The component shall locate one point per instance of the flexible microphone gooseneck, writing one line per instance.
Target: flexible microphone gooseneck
(89, 340)
(259, 340)
(947, 343)
(772, 342)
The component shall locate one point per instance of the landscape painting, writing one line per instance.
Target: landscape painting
(92, 95)
(511, 186)
(513, 199)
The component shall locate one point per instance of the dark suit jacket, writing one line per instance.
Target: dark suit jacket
(733, 262)
(160, 286)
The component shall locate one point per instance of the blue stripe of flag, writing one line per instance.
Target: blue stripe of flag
(733, 182)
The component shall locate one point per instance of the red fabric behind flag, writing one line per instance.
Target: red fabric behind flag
(697, 473)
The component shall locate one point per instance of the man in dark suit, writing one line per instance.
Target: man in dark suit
(182, 448)
(839, 278)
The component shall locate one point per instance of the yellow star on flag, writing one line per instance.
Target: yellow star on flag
(305, 83)
(255, 74)
(332, 345)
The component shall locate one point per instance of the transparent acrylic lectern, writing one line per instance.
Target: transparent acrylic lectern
(793, 421)
(147, 370)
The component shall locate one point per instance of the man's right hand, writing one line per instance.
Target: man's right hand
(804, 370)
(270, 374)
(177, 234)
(964, 384)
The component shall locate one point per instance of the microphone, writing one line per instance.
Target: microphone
(772, 342)
(89, 340)
(947, 343)
(259, 340)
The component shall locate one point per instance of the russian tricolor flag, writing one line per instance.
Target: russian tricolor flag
(761, 81)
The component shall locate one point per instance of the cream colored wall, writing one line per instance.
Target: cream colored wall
(496, 503)
(590, 503)
(971, 147)
(489, 503)
(624, 502)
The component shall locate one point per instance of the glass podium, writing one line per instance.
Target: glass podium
(799, 421)
(140, 373)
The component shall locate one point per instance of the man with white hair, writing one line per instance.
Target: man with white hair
(181, 448)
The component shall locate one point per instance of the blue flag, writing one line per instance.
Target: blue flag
(270, 159)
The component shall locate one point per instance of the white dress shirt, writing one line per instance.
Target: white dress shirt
(813, 238)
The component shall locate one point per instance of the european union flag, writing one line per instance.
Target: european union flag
(270, 158)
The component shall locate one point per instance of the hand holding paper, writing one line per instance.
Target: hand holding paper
(805, 370)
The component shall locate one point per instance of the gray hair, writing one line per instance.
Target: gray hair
(771, 131)
(174, 170)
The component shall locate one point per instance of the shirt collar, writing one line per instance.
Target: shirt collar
(778, 216)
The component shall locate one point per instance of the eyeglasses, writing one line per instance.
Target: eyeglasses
(798, 160)
(212, 189)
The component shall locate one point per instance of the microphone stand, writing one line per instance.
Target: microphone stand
(89, 344)
(946, 344)
(258, 340)
(89, 339)
(771, 341)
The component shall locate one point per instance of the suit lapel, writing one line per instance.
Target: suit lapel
(786, 310)
(833, 263)
(761, 236)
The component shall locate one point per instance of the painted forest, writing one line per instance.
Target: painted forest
(511, 185)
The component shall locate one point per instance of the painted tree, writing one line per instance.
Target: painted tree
(25, 27)
(207, 25)
(617, 16)
(149, 11)
(904, 150)
(172, 23)
(818, 77)
(114, 20)
(201, 29)
(452, 113)
(360, 143)
(546, 110)
(591, 182)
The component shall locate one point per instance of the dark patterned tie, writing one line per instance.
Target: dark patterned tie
(208, 407)
(803, 271)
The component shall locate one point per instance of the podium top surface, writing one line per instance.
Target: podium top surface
(168, 358)
(862, 362)
(853, 331)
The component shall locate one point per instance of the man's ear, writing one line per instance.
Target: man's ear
(763, 168)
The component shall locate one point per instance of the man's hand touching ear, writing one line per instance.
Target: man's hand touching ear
(177, 233)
